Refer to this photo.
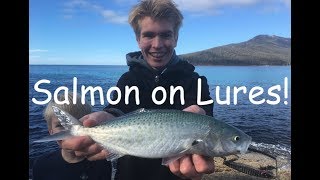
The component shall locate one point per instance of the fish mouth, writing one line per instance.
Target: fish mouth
(245, 146)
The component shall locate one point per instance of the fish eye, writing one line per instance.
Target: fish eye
(236, 138)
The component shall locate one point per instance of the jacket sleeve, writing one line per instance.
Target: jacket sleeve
(192, 93)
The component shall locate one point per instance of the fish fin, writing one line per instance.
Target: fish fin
(168, 160)
(196, 147)
(198, 144)
(66, 120)
(135, 112)
(140, 110)
(55, 137)
(192, 148)
(113, 156)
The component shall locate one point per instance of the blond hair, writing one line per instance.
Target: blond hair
(157, 10)
(77, 110)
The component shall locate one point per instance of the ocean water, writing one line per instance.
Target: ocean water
(266, 117)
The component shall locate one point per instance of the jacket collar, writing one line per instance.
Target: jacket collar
(136, 58)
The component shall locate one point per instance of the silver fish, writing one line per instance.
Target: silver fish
(167, 134)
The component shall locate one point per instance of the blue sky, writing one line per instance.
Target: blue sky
(96, 32)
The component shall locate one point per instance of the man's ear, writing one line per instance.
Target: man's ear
(138, 40)
(176, 38)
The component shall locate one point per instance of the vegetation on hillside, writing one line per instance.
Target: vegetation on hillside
(260, 50)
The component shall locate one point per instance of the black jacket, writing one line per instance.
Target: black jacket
(52, 166)
(140, 74)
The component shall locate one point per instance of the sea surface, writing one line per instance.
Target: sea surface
(256, 99)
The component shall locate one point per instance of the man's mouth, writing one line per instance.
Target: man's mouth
(157, 55)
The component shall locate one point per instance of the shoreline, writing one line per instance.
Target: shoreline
(254, 160)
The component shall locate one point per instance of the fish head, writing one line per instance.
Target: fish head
(234, 141)
(229, 140)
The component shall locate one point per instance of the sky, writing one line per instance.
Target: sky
(96, 32)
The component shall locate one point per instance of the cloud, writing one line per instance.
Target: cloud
(287, 3)
(37, 50)
(46, 60)
(196, 7)
(213, 6)
(108, 14)
(35, 55)
(127, 2)
(210, 5)
(111, 16)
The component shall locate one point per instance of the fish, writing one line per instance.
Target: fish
(158, 133)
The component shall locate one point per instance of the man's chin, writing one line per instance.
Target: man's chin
(158, 62)
(158, 65)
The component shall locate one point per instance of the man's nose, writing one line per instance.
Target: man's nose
(157, 42)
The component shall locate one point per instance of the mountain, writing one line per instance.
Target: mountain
(260, 50)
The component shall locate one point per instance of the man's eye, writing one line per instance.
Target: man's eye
(148, 35)
(166, 35)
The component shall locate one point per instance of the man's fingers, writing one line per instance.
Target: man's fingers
(175, 168)
(90, 122)
(84, 118)
(95, 118)
(89, 151)
(195, 109)
(77, 143)
(187, 168)
(203, 164)
(101, 155)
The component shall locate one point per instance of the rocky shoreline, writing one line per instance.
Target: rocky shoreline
(254, 160)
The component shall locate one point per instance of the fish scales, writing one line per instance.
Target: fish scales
(153, 134)
(158, 134)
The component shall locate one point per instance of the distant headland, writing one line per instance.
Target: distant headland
(261, 50)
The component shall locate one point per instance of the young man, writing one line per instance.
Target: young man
(63, 164)
(156, 25)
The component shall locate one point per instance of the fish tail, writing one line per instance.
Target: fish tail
(57, 136)
(67, 121)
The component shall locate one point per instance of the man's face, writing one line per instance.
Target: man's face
(157, 41)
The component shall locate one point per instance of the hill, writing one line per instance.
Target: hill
(260, 50)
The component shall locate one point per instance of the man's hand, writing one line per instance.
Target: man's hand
(192, 166)
(84, 146)
(195, 109)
